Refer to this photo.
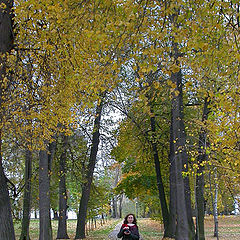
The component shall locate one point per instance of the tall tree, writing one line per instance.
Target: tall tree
(86, 186)
(6, 45)
(154, 145)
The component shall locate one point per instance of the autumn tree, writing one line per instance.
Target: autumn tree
(6, 45)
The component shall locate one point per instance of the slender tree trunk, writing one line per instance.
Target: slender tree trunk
(215, 212)
(161, 192)
(144, 210)
(55, 214)
(114, 200)
(45, 161)
(80, 231)
(202, 156)
(6, 44)
(114, 207)
(103, 218)
(172, 179)
(214, 202)
(120, 206)
(35, 214)
(62, 220)
(27, 196)
(153, 142)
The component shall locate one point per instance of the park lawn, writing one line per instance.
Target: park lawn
(150, 229)
(101, 232)
(229, 228)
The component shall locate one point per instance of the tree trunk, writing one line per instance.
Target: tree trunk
(45, 161)
(6, 222)
(214, 202)
(182, 150)
(161, 192)
(172, 179)
(114, 207)
(115, 198)
(202, 156)
(215, 212)
(55, 214)
(153, 142)
(103, 218)
(120, 205)
(62, 221)
(27, 196)
(80, 231)
(183, 203)
(35, 213)
(6, 44)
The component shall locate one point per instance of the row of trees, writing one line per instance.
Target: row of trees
(170, 68)
(183, 111)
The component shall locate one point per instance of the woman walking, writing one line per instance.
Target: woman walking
(129, 229)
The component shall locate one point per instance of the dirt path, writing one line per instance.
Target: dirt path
(113, 235)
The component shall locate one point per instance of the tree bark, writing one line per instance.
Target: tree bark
(215, 212)
(161, 191)
(172, 179)
(183, 203)
(6, 222)
(120, 205)
(27, 196)
(6, 44)
(62, 220)
(214, 202)
(154, 146)
(45, 161)
(115, 198)
(114, 207)
(55, 214)
(202, 156)
(80, 231)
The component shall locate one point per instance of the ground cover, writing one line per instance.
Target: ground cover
(101, 232)
(229, 228)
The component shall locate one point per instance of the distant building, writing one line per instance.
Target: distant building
(70, 214)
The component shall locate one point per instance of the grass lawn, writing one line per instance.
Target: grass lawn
(101, 232)
(229, 229)
(150, 229)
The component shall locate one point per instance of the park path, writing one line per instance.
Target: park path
(113, 235)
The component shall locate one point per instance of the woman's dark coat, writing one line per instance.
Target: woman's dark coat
(134, 233)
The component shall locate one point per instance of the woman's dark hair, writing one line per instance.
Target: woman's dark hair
(134, 219)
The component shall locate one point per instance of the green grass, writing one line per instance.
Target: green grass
(150, 229)
(229, 228)
(104, 231)
(100, 233)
